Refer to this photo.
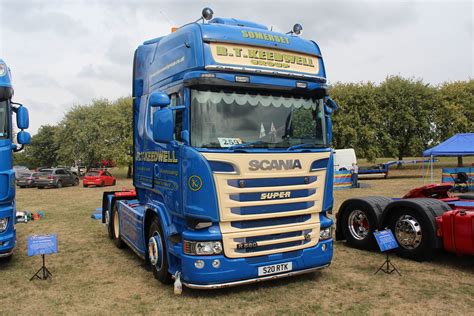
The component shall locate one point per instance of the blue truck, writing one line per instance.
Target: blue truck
(233, 170)
(7, 147)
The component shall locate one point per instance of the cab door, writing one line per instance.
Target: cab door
(166, 170)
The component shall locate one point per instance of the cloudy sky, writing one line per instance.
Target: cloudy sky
(69, 52)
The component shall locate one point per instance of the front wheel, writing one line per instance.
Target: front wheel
(414, 236)
(157, 252)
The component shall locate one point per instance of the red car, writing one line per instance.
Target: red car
(98, 178)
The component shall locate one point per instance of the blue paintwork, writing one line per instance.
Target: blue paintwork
(7, 175)
(165, 64)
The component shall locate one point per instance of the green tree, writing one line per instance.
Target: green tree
(99, 131)
(407, 106)
(454, 109)
(357, 123)
(43, 150)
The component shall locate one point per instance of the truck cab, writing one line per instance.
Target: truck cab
(7, 147)
(232, 161)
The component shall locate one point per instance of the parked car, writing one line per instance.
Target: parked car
(55, 177)
(20, 170)
(98, 178)
(27, 179)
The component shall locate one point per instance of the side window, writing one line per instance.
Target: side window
(60, 171)
(176, 99)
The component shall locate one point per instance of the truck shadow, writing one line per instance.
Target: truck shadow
(440, 259)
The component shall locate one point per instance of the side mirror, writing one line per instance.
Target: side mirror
(329, 107)
(23, 138)
(159, 99)
(163, 125)
(22, 118)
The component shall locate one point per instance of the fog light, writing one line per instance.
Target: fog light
(242, 79)
(216, 263)
(323, 247)
(199, 264)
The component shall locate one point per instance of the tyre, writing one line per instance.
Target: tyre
(40, 187)
(157, 252)
(59, 184)
(114, 182)
(414, 234)
(84, 186)
(358, 224)
(76, 182)
(22, 186)
(115, 227)
(102, 184)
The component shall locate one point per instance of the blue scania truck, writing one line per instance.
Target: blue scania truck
(7, 147)
(233, 170)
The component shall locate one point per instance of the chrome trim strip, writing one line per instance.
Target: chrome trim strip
(263, 71)
(318, 169)
(6, 254)
(249, 281)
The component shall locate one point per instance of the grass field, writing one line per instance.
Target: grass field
(92, 276)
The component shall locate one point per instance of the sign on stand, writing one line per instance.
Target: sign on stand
(40, 245)
(386, 242)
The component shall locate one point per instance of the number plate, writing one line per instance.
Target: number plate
(275, 268)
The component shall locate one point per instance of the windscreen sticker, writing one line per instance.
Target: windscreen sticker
(229, 141)
(262, 131)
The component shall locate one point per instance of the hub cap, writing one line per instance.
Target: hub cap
(155, 251)
(116, 225)
(408, 232)
(358, 224)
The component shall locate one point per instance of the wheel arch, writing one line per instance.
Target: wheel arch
(159, 211)
(375, 203)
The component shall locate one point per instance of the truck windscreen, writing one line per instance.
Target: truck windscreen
(222, 119)
(4, 119)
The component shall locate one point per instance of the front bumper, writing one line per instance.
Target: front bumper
(233, 272)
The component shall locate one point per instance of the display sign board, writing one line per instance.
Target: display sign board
(385, 240)
(254, 56)
(42, 244)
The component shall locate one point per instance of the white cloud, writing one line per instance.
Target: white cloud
(68, 52)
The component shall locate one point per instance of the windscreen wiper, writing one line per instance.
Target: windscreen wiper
(305, 145)
(258, 142)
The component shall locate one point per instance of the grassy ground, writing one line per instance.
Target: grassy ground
(92, 276)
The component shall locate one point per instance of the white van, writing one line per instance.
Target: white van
(344, 158)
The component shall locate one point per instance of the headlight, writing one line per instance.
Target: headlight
(3, 224)
(202, 248)
(325, 233)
